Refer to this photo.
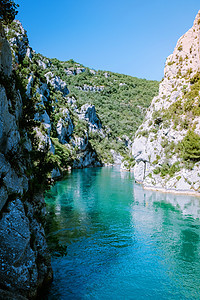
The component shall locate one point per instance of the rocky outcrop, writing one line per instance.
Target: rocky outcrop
(25, 264)
(88, 113)
(57, 83)
(64, 127)
(18, 41)
(86, 158)
(53, 119)
(5, 53)
(89, 88)
(163, 144)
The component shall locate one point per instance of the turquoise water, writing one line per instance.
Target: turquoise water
(113, 240)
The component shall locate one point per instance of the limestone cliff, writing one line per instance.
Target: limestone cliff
(82, 116)
(60, 127)
(24, 258)
(166, 147)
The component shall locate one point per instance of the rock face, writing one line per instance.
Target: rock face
(88, 113)
(86, 87)
(64, 127)
(5, 53)
(163, 144)
(54, 120)
(57, 83)
(19, 42)
(24, 258)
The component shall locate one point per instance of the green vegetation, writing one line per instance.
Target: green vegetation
(170, 63)
(167, 169)
(8, 11)
(190, 146)
(63, 155)
(180, 48)
(120, 104)
(129, 162)
(185, 109)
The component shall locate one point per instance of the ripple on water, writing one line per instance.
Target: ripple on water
(117, 241)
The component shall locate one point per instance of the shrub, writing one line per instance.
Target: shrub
(180, 48)
(63, 155)
(190, 146)
(195, 78)
(8, 11)
(156, 170)
(170, 63)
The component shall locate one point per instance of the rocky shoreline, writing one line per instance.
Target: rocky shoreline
(172, 191)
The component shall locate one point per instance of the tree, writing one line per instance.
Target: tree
(190, 146)
(8, 11)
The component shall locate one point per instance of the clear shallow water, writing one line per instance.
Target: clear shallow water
(119, 241)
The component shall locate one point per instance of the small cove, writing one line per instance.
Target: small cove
(114, 240)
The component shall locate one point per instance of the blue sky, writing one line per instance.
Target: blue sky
(126, 36)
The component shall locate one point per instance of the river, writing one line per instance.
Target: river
(111, 239)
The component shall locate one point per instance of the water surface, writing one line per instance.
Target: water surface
(113, 240)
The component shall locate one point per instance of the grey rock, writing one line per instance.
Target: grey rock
(19, 41)
(3, 197)
(55, 174)
(24, 258)
(5, 53)
(80, 142)
(29, 85)
(57, 83)
(89, 88)
(139, 171)
(64, 127)
(18, 266)
(88, 113)
(116, 157)
(86, 159)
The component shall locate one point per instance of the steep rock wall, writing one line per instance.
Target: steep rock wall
(24, 258)
(165, 143)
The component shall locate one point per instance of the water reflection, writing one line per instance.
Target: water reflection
(122, 240)
(173, 220)
(187, 204)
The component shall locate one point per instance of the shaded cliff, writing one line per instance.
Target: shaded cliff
(166, 147)
(24, 258)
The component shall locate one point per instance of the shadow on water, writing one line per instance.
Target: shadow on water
(112, 239)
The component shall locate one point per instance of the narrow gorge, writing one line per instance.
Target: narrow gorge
(57, 116)
(54, 116)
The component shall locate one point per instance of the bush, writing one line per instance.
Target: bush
(63, 155)
(8, 11)
(190, 146)
(180, 48)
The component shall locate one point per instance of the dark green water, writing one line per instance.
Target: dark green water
(114, 240)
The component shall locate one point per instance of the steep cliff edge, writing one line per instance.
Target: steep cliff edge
(166, 147)
(24, 258)
(84, 116)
